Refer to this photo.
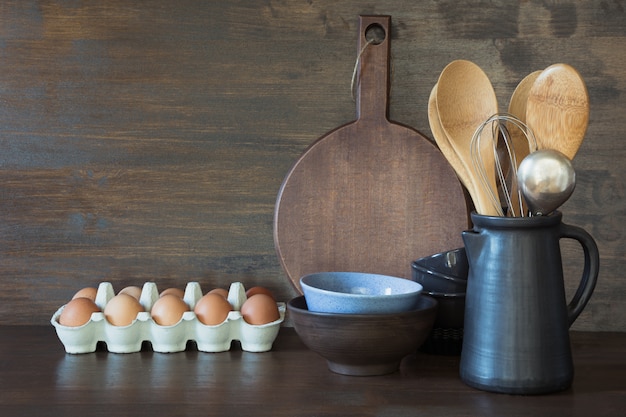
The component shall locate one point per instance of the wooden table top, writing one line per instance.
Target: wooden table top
(38, 378)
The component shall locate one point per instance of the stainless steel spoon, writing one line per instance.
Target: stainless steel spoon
(547, 179)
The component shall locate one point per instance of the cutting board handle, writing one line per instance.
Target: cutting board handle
(373, 70)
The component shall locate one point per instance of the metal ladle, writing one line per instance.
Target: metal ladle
(546, 179)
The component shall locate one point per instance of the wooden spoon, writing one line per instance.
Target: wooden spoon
(521, 147)
(465, 99)
(558, 109)
(446, 147)
(517, 108)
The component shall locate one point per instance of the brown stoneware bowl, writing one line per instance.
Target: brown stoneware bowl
(363, 344)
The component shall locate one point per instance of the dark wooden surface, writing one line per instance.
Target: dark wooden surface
(148, 140)
(38, 378)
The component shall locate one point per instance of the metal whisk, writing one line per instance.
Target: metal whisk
(508, 133)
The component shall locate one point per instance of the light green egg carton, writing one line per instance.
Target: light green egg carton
(168, 339)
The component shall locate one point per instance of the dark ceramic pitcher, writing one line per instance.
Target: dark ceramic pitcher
(517, 318)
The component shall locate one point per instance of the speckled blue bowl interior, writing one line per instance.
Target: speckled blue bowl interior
(359, 293)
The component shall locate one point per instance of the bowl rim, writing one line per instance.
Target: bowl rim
(447, 295)
(433, 304)
(418, 265)
(460, 249)
(356, 296)
(438, 275)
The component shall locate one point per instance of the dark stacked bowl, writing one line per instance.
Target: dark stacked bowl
(444, 277)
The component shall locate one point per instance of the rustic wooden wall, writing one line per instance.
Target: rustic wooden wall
(146, 140)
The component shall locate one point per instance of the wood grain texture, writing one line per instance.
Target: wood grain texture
(372, 195)
(39, 378)
(148, 140)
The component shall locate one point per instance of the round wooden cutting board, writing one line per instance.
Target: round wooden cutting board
(372, 195)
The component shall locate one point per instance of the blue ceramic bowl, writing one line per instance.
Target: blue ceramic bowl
(359, 293)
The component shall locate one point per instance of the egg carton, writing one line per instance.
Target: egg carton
(168, 339)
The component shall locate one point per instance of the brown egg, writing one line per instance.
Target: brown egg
(122, 310)
(212, 309)
(132, 290)
(77, 312)
(259, 290)
(168, 310)
(88, 292)
(220, 291)
(260, 309)
(176, 291)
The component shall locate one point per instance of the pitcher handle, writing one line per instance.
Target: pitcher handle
(590, 271)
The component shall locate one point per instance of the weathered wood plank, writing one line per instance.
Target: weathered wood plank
(147, 140)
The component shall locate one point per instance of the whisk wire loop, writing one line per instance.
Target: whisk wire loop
(505, 165)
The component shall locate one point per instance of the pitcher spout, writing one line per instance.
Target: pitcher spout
(474, 242)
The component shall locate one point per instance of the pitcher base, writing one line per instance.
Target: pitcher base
(509, 387)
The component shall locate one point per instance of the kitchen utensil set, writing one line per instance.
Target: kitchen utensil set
(548, 113)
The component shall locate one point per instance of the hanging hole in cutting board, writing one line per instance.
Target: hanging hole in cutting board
(375, 34)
